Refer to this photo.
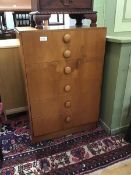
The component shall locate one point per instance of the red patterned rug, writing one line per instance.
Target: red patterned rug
(80, 153)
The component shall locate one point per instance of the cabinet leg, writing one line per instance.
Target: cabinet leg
(39, 18)
(78, 18)
(93, 18)
(32, 22)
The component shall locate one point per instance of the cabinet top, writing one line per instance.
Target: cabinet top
(119, 39)
(9, 43)
(28, 29)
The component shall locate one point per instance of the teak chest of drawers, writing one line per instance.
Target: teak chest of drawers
(63, 73)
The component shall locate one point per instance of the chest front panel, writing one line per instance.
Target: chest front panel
(63, 76)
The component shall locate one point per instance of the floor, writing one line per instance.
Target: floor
(123, 168)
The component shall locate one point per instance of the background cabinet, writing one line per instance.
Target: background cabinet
(63, 70)
(116, 91)
(12, 88)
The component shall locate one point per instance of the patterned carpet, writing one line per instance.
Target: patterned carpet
(80, 153)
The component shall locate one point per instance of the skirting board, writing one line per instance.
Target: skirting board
(105, 126)
(15, 110)
(114, 130)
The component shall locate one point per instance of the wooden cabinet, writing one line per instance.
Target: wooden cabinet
(59, 5)
(77, 9)
(63, 70)
(116, 91)
(12, 88)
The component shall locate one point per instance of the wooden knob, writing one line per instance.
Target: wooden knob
(67, 38)
(67, 53)
(67, 88)
(67, 70)
(67, 104)
(68, 119)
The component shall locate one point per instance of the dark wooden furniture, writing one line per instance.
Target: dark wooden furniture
(2, 24)
(77, 9)
(63, 73)
(21, 18)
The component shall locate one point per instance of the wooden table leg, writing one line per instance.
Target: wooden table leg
(39, 18)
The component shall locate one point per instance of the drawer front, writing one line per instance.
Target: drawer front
(63, 45)
(64, 5)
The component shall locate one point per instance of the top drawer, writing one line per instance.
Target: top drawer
(55, 45)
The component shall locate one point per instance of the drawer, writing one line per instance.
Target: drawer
(56, 48)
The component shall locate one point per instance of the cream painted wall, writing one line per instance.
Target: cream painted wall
(115, 15)
(99, 6)
(127, 98)
(128, 9)
(123, 16)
